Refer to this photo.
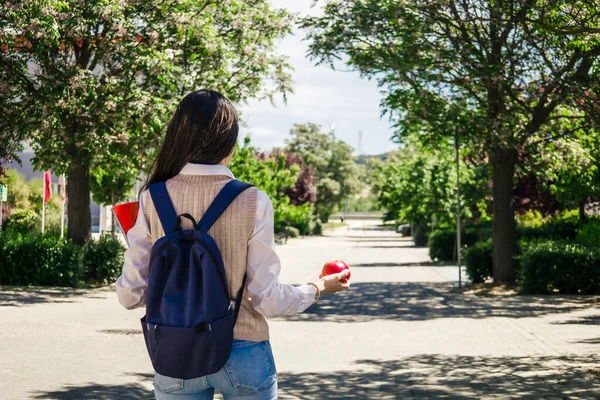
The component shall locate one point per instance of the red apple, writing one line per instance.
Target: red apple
(335, 267)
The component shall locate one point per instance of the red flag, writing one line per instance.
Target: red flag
(47, 186)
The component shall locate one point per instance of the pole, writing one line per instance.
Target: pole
(62, 207)
(458, 255)
(62, 220)
(1, 213)
(43, 199)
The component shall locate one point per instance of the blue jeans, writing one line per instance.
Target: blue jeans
(248, 374)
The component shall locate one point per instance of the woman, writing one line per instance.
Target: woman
(193, 161)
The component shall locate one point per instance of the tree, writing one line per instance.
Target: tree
(515, 68)
(275, 177)
(303, 190)
(417, 185)
(97, 80)
(569, 169)
(332, 163)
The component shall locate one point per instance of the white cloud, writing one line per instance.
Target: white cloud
(322, 96)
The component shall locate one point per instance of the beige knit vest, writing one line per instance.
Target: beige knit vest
(193, 194)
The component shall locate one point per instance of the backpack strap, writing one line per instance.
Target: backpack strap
(223, 200)
(164, 206)
(225, 197)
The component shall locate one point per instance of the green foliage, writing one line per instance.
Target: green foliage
(112, 185)
(23, 221)
(34, 259)
(292, 232)
(420, 187)
(92, 84)
(271, 175)
(19, 192)
(442, 245)
(46, 260)
(362, 204)
(25, 206)
(569, 268)
(478, 260)
(554, 229)
(297, 217)
(506, 78)
(415, 188)
(570, 168)
(103, 260)
(589, 234)
(442, 242)
(421, 235)
(531, 219)
(334, 169)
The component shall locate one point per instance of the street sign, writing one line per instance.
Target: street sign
(3, 193)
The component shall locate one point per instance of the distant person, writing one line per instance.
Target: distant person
(193, 160)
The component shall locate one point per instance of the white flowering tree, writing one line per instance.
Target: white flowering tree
(91, 82)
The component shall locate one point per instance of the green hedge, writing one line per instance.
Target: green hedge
(443, 242)
(589, 234)
(46, 260)
(103, 260)
(555, 230)
(478, 260)
(570, 268)
(421, 235)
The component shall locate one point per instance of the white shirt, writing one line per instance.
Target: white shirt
(269, 297)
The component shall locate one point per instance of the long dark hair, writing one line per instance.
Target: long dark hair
(203, 130)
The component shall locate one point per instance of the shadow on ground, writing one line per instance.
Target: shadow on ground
(587, 320)
(419, 301)
(133, 390)
(373, 239)
(12, 296)
(405, 264)
(450, 377)
(383, 238)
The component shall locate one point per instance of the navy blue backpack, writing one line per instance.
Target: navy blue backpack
(188, 326)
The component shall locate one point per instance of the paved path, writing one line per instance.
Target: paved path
(402, 331)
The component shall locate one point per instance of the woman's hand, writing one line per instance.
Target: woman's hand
(333, 283)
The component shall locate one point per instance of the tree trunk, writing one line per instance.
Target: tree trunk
(582, 215)
(79, 226)
(113, 230)
(504, 227)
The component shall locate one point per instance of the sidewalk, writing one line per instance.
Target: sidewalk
(400, 332)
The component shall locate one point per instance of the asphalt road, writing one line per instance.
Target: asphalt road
(401, 331)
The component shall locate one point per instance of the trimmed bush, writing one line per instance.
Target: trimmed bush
(35, 259)
(443, 242)
(103, 260)
(478, 260)
(569, 268)
(404, 230)
(553, 230)
(589, 234)
(421, 235)
(478, 234)
(47, 260)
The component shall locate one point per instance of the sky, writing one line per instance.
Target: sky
(333, 99)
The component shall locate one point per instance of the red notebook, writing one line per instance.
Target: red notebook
(126, 215)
